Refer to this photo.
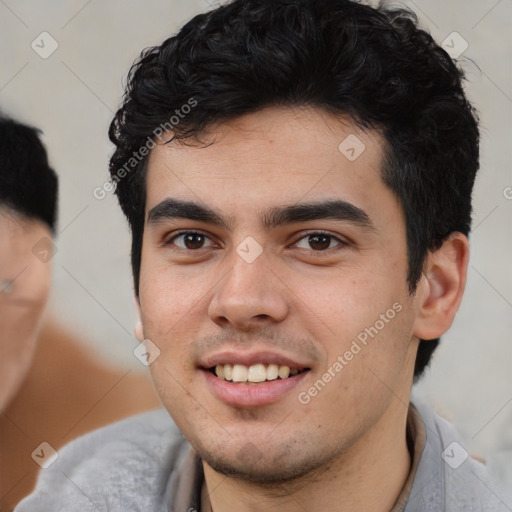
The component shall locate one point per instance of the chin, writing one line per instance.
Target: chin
(251, 465)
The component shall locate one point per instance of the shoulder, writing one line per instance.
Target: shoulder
(449, 478)
(124, 466)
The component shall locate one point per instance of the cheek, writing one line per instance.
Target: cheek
(365, 319)
(165, 296)
(167, 302)
(341, 303)
(18, 340)
(42, 280)
(23, 311)
(172, 312)
(18, 328)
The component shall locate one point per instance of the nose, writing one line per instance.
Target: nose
(250, 295)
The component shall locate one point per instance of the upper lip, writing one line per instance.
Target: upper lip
(251, 357)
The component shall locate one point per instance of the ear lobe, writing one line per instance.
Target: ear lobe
(445, 280)
(139, 330)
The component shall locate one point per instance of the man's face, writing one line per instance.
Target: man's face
(298, 292)
(24, 288)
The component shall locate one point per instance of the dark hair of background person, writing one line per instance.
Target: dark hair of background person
(374, 64)
(28, 185)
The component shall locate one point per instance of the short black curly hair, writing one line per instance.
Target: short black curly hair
(374, 64)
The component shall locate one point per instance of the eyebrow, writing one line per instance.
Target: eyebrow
(170, 209)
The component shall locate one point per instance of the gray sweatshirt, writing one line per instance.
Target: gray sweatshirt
(145, 464)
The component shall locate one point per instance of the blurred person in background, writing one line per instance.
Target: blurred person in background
(52, 389)
(286, 368)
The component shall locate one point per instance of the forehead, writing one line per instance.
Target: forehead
(18, 235)
(271, 157)
(14, 224)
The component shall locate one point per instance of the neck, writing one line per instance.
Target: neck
(369, 476)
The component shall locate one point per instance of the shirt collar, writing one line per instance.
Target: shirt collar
(416, 442)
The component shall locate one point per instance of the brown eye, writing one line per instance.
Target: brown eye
(320, 241)
(191, 240)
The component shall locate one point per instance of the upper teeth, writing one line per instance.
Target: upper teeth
(255, 373)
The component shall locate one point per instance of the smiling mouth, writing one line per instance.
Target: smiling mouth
(254, 374)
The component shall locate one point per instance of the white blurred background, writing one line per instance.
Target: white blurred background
(72, 96)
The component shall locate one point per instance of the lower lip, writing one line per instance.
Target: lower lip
(251, 395)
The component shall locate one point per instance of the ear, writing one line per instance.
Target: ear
(441, 287)
(139, 333)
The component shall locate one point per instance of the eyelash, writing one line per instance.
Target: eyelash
(341, 244)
